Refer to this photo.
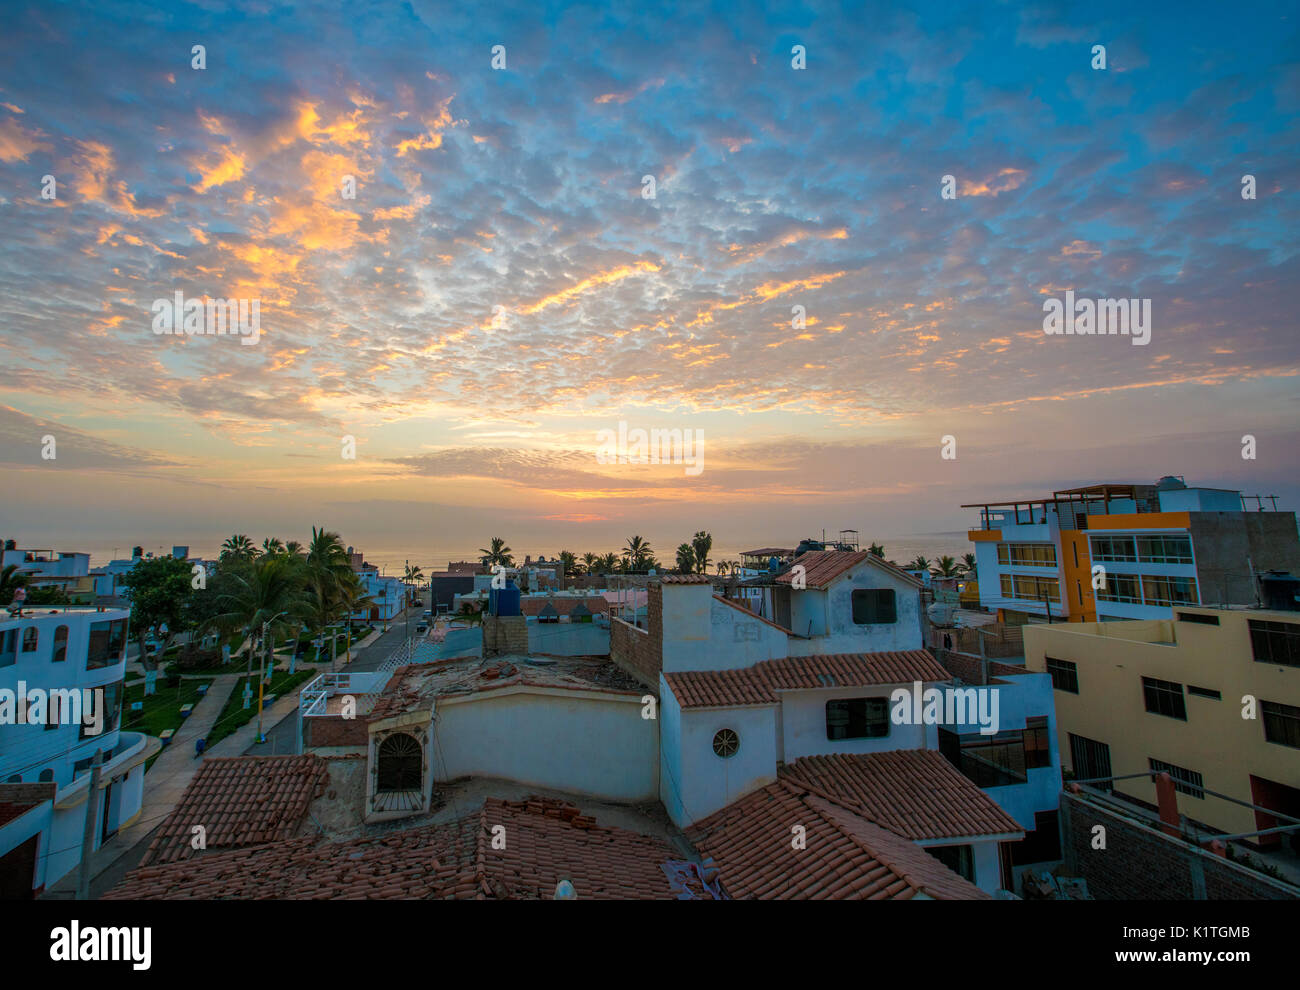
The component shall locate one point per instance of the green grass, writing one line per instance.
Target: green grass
(234, 716)
(162, 710)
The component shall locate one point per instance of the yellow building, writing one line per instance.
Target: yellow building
(1211, 696)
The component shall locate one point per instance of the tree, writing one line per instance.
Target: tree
(160, 592)
(414, 577)
(352, 598)
(270, 594)
(568, 564)
(238, 547)
(10, 581)
(637, 554)
(590, 561)
(685, 559)
(919, 564)
(968, 565)
(608, 563)
(947, 567)
(702, 543)
(47, 595)
(294, 549)
(724, 566)
(877, 549)
(499, 555)
(272, 546)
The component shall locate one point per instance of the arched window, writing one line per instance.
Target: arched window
(15, 779)
(401, 764)
(29, 639)
(60, 644)
(46, 776)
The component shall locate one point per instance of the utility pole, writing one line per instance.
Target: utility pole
(88, 832)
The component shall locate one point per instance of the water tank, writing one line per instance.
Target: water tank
(504, 601)
(773, 564)
(1170, 483)
(1279, 590)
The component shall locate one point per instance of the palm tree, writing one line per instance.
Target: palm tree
(877, 549)
(685, 559)
(724, 566)
(569, 564)
(590, 561)
(414, 576)
(272, 546)
(498, 555)
(637, 553)
(293, 548)
(608, 563)
(269, 594)
(352, 598)
(237, 548)
(947, 567)
(968, 564)
(702, 543)
(919, 564)
(326, 552)
(10, 581)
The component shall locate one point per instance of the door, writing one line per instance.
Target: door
(1090, 760)
(18, 871)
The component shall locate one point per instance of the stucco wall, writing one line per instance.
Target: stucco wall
(709, 782)
(583, 742)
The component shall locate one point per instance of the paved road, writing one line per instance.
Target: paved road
(282, 738)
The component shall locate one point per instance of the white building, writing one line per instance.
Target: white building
(45, 768)
(386, 594)
(746, 701)
(52, 568)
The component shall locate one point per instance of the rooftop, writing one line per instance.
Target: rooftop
(845, 857)
(547, 841)
(240, 801)
(821, 567)
(915, 793)
(759, 684)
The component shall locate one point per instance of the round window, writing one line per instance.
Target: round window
(726, 742)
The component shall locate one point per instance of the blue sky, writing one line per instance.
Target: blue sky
(522, 189)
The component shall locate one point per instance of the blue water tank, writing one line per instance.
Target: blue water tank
(504, 601)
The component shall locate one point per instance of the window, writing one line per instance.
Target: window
(1113, 548)
(1078, 589)
(726, 743)
(1164, 698)
(401, 764)
(1281, 723)
(30, 639)
(874, 606)
(1091, 761)
(857, 718)
(1209, 620)
(1120, 588)
(1038, 750)
(60, 644)
(8, 647)
(52, 711)
(46, 776)
(110, 705)
(1159, 590)
(1270, 642)
(1187, 782)
(1030, 587)
(1164, 549)
(1027, 554)
(1201, 692)
(107, 641)
(956, 858)
(1065, 674)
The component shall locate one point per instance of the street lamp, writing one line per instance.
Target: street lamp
(261, 684)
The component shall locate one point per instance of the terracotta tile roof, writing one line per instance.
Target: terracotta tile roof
(821, 567)
(845, 857)
(684, 579)
(759, 684)
(240, 801)
(545, 841)
(915, 793)
(9, 810)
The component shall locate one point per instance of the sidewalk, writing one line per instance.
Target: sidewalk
(164, 784)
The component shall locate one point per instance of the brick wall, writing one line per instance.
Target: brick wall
(640, 652)
(504, 635)
(330, 730)
(1141, 863)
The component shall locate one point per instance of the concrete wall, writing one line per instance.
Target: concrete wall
(568, 639)
(802, 726)
(581, 741)
(841, 633)
(705, 781)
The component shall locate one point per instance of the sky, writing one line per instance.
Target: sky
(502, 286)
